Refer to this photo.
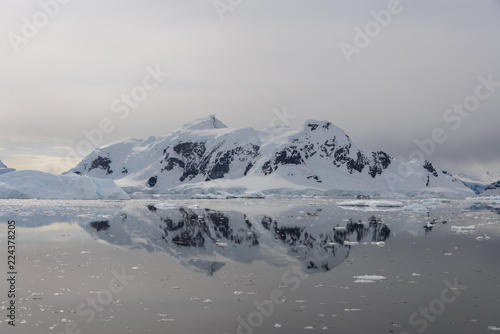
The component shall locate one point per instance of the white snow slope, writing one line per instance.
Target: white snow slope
(205, 156)
(35, 184)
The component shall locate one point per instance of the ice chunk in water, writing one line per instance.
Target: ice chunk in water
(36, 295)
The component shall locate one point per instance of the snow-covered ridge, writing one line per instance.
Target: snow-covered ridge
(204, 156)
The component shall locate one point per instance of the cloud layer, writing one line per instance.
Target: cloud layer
(262, 55)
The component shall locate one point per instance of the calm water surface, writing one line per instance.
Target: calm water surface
(251, 266)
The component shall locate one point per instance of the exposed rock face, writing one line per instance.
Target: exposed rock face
(188, 228)
(194, 230)
(102, 163)
(194, 159)
(337, 150)
(493, 186)
(204, 239)
(101, 225)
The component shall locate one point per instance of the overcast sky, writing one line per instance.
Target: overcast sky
(240, 60)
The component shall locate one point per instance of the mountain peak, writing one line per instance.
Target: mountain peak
(2, 165)
(206, 123)
(312, 124)
(317, 158)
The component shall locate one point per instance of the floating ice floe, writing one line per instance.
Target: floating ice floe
(379, 243)
(350, 243)
(368, 278)
(485, 237)
(493, 328)
(165, 206)
(415, 207)
(36, 295)
(463, 229)
(372, 203)
(364, 281)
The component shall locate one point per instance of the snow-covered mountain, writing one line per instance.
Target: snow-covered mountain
(486, 178)
(4, 169)
(487, 184)
(204, 156)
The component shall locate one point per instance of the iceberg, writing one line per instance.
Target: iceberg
(35, 184)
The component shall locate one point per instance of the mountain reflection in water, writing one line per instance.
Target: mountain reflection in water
(206, 239)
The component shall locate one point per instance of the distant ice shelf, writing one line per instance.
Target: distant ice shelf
(35, 184)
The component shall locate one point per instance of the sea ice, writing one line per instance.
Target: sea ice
(463, 229)
(165, 206)
(372, 203)
(370, 277)
(415, 207)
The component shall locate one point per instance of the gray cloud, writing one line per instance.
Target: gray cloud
(263, 55)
